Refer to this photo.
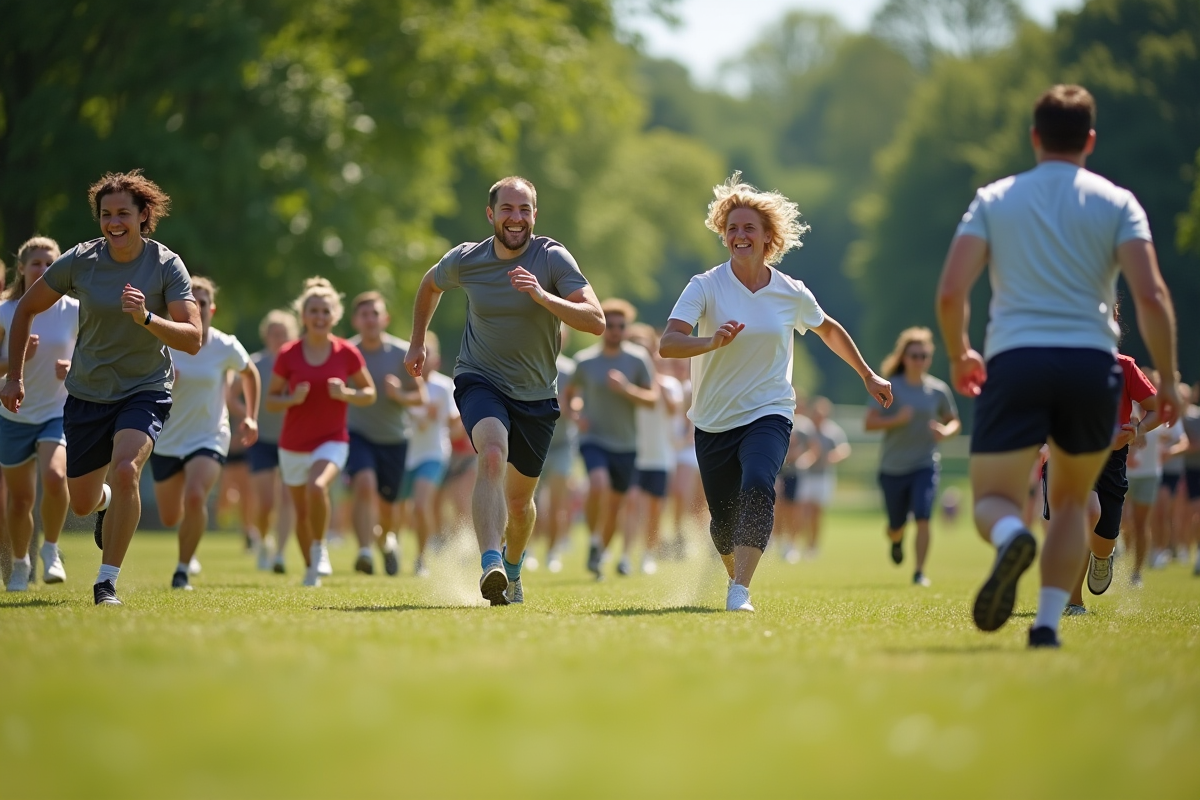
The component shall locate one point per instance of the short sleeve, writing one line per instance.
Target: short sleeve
(445, 273)
(1134, 224)
(237, 359)
(809, 313)
(177, 284)
(691, 304)
(564, 272)
(6, 314)
(947, 407)
(973, 222)
(58, 276)
(1140, 386)
(282, 366)
(355, 363)
(645, 375)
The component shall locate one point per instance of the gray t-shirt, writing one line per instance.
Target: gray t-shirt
(385, 421)
(911, 447)
(1191, 426)
(1053, 233)
(510, 339)
(611, 417)
(270, 423)
(565, 431)
(829, 436)
(115, 355)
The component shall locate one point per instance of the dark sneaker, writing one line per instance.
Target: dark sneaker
(624, 568)
(98, 533)
(1043, 637)
(278, 567)
(593, 561)
(919, 579)
(1099, 574)
(180, 580)
(364, 564)
(996, 598)
(1074, 610)
(494, 585)
(106, 594)
(391, 562)
(898, 553)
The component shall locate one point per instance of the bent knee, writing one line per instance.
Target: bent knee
(126, 474)
(492, 459)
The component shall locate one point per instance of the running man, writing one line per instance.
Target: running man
(32, 444)
(519, 286)
(1054, 238)
(187, 459)
(379, 434)
(746, 311)
(923, 415)
(613, 378)
(135, 305)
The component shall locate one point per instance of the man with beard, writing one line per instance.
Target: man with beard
(519, 286)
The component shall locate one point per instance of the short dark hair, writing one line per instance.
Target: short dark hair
(511, 180)
(146, 194)
(1063, 117)
(365, 298)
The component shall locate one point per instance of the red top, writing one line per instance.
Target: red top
(319, 418)
(1137, 388)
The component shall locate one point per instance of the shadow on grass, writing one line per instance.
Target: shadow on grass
(33, 602)
(1026, 614)
(943, 650)
(374, 609)
(645, 612)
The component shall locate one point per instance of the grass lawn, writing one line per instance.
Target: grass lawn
(848, 682)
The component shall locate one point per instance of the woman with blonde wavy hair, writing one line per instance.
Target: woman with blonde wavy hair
(745, 311)
(922, 415)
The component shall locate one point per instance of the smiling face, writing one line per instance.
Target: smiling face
(318, 316)
(121, 221)
(36, 262)
(745, 235)
(370, 320)
(916, 358)
(513, 216)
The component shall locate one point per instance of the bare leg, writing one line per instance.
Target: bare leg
(304, 537)
(321, 476)
(131, 449)
(21, 482)
(424, 496)
(364, 485)
(52, 458)
(489, 507)
(923, 539)
(522, 513)
(200, 475)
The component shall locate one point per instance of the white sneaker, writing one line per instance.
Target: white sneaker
(649, 565)
(792, 555)
(531, 563)
(324, 567)
(19, 580)
(53, 570)
(738, 598)
(194, 566)
(554, 564)
(311, 577)
(263, 560)
(1161, 559)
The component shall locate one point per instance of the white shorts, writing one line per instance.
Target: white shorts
(817, 488)
(686, 456)
(294, 466)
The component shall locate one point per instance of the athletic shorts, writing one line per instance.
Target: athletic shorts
(910, 493)
(237, 458)
(559, 461)
(1170, 480)
(687, 457)
(1110, 488)
(789, 480)
(430, 471)
(1035, 394)
(652, 481)
(1192, 476)
(19, 440)
(817, 488)
(90, 427)
(530, 423)
(1142, 491)
(263, 456)
(618, 465)
(165, 467)
(385, 460)
(294, 466)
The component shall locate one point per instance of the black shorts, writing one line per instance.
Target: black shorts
(166, 467)
(530, 423)
(1110, 488)
(90, 427)
(910, 493)
(1170, 481)
(385, 460)
(653, 482)
(619, 465)
(1036, 394)
(262, 456)
(1192, 476)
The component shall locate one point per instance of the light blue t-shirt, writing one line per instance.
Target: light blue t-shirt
(1053, 233)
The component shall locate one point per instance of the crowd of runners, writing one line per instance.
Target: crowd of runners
(649, 436)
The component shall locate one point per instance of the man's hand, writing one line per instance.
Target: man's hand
(61, 367)
(133, 303)
(968, 373)
(414, 362)
(248, 432)
(32, 347)
(878, 388)
(392, 387)
(726, 333)
(12, 394)
(617, 382)
(1170, 402)
(524, 281)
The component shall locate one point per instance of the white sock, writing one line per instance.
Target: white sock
(23, 561)
(182, 566)
(108, 573)
(49, 550)
(594, 540)
(1005, 530)
(364, 551)
(1051, 604)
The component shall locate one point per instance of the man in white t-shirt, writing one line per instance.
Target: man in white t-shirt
(194, 442)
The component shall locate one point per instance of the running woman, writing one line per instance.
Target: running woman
(187, 459)
(1053, 239)
(135, 305)
(613, 378)
(379, 434)
(315, 379)
(32, 444)
(277, 328)
(519, 286)
(923, 415)
(746, 311)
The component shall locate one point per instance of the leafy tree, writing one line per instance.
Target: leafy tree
(925, 29)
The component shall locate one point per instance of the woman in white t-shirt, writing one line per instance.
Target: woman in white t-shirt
(32, 444)
(745, 311)
(194, 442)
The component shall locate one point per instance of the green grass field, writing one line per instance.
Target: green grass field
(848, 682)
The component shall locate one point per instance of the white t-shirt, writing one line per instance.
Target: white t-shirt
(199, 419)
(431, 423)
(751, 376)
(1053, 233)
(1146, 462)
(57, 329)
(655, 429)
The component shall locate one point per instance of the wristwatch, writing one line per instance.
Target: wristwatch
(149, 316)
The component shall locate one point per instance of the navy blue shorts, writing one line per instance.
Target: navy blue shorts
(530, 423)
(1035, 394)
(1192, 476)
(653, 482)
(619, 465)
(166, 467)
(911, 493)
(1170, 480)
(790, 478)
(385, 460)
(90, 427)
(263, 456)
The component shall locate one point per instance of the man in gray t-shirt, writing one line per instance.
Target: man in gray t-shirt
(520, 288)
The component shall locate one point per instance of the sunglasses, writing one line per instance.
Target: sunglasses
(917, 356)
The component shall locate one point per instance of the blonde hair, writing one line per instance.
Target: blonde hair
(615, 305)
(894, 363)
(207, 284)
(277, 316)
(17, 290)
(780, 216)
(317, 286)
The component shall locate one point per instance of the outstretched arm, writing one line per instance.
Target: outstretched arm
(428, 297)
(580, 310)
(838, 340)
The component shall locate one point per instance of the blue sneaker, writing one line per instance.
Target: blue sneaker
(1043, 637)
(180, 580)
(514, 593)
(996, 598)
(494, 585)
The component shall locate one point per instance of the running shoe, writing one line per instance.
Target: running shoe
(1074, 610)
(554, 564)
(311, 577)
(364, 564)
(738, 598)
(19, 580)
(919, 579)
(194, 566)
(624, 568)
(493, 585)
(1160, 559)
(180, 580)
(1196, 568)
(996, 598)
(1043, 637)
(649, 565)
(53, 570)
(105, 594)
(324, 566)
(263, 556)
(1135, 580)
(898, 553)
(514, 593)
(1100, 573)
(531, 563)
(391, 555)
(593, 560)
(98, 532)
(419, 568)
(278, 566)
